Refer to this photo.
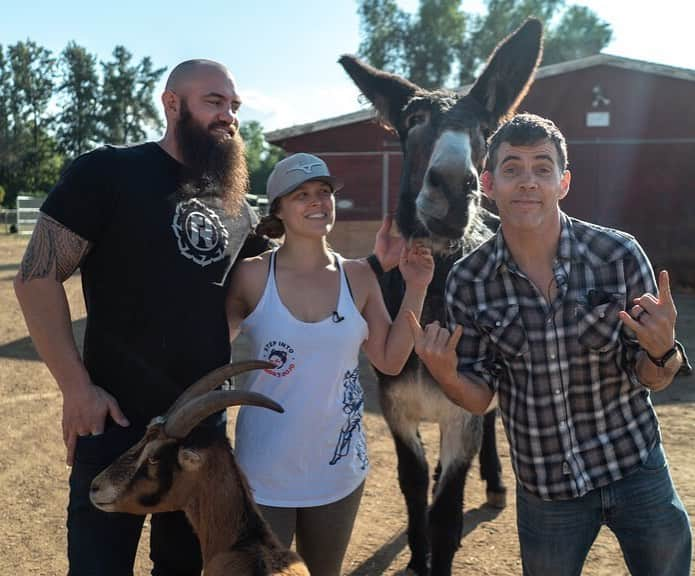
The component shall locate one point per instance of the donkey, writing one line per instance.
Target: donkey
(443, 137)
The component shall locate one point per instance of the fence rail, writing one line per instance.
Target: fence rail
(28, 213)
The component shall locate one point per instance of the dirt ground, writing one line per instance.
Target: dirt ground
(33, 475)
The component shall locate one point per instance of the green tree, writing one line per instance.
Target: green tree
(34, 145)
(383, 28)
(33, 163)
(486, 30)
(430, 55)
(13, 142)
(5, 90)
(5, 133)
(579, 33)
(33, 81)
(127, 98)
(421, 47)
(78, 94)
(261, 157)
(443, 39)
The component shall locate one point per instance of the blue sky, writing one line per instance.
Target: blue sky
(283, 53)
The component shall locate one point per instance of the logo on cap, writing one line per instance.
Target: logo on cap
(306, 168)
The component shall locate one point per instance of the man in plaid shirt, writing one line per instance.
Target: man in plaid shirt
(562, 319)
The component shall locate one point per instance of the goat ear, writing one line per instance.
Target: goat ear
(190, 459)
(509, 73)
(387, 92)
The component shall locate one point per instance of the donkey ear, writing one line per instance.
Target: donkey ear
(387, 92)
(190, 459)
(510, 70)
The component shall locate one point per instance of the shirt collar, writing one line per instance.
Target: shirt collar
(568, 248)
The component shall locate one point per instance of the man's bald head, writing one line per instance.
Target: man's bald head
(191, 70)
(207, 87)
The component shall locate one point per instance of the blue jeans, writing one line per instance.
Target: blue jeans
(105, 543)
(643, 510)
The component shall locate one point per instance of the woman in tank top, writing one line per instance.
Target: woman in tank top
(309, 311)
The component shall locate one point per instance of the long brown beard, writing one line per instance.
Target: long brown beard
(213, 168)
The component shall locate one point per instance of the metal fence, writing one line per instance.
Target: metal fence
(23, 219)
(28, 213)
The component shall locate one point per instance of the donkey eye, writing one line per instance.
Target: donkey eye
(416, 118)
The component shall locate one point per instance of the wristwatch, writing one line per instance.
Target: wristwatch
(670, 353)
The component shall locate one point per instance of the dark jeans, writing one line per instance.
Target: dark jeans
(105, 543)
(643, 510)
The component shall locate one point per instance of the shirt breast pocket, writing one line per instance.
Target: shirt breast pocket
(598, 327)
(505, 330)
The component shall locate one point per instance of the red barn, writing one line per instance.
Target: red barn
(630, 129)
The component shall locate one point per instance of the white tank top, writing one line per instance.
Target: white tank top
(315, 452)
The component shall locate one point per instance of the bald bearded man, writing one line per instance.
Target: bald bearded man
(154, 229)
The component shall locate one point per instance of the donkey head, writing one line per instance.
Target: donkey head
(443, 134)
(160, 472)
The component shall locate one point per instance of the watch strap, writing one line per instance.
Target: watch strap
(670, 353)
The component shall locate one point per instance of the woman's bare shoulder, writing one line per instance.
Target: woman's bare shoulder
(253, 269)
(255, 262)
(359, 267)
(361, 278)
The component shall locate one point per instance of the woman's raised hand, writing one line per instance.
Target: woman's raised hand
(416, 265)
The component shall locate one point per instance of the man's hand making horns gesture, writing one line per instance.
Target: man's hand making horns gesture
(653, 319)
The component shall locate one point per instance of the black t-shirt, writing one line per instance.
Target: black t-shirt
(155, 280)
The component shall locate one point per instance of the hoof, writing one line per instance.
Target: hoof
(497, 499)
(413, 569)
(411, 572)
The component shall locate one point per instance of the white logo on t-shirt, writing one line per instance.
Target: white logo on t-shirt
(201, 235)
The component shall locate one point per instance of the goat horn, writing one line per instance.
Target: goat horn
(214, 379)
(188, 416)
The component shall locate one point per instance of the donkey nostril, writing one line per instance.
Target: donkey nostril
(434, 178)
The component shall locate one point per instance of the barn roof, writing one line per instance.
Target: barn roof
(543, 72)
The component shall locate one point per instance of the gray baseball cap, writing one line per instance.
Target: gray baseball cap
(291, 172)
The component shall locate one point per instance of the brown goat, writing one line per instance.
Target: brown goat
(179, 467)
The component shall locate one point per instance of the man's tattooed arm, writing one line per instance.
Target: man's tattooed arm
(53, 247)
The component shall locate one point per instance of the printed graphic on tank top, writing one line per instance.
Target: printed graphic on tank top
(315, 452)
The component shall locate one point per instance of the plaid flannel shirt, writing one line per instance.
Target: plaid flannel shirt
(576, 416)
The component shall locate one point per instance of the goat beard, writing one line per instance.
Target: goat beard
(214, 167)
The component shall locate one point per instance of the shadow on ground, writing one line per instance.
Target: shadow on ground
(378, 562)
(23, 349)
